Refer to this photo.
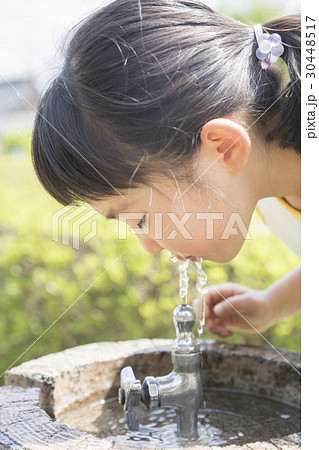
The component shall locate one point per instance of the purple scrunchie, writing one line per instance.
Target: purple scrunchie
(269, 47)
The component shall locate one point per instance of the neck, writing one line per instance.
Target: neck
(279, 174)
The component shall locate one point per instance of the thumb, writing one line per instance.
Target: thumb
(229, 307)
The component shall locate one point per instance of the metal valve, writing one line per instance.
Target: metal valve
(180, 389)
(129, 397)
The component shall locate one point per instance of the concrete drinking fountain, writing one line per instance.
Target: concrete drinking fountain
(75, 398)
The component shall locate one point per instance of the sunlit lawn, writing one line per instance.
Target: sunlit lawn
(135, 298)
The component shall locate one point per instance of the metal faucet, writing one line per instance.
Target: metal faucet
(181, 389)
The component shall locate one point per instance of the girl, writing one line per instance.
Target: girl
(174, 118)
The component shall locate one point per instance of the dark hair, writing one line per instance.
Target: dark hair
(140, 80)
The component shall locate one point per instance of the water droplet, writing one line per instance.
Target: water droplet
(173, 259)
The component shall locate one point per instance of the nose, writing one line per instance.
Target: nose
(150, 245)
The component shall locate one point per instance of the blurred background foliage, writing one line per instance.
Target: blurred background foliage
(46, 302)
(134, 298)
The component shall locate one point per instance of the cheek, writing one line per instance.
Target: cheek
(194, 236)
(220, 237)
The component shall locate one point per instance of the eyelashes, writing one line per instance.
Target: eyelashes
(142, 222)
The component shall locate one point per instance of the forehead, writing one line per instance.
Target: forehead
(110, 206)
(143, 197)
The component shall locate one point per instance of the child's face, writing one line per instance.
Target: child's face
(200, 223)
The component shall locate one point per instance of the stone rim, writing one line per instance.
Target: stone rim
(36, 373)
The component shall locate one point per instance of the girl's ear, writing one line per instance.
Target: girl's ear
(227, 141)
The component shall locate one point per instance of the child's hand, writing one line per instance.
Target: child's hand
(221, 315)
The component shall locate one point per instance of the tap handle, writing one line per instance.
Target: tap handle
(129, 397)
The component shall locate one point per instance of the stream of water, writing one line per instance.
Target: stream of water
(201, 286)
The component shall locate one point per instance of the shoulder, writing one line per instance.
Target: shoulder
(282, 219)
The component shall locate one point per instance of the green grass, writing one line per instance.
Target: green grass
(135, 298)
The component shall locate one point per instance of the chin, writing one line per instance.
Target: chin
(218, 259)
(225, 255)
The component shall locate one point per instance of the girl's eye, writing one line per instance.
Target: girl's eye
(142, 222)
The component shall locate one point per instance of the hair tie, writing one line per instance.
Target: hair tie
(269, 47)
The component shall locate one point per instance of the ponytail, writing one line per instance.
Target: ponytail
(288, 127)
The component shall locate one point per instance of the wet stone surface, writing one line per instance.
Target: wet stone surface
(80, 376)
(225, 417)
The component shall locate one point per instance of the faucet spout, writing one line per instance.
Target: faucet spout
(182, 388)
(179, 390)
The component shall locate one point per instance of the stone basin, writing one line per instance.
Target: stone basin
(39, 393)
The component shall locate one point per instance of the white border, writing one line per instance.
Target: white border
(309, 245)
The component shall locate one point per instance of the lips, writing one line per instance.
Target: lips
(191, 258)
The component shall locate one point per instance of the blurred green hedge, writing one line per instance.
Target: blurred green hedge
(135, 298)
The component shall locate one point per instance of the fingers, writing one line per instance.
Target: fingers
(232, 306)
(218, 292)
(218, 328)
(224, 303)
(213, 296)
(213, 324)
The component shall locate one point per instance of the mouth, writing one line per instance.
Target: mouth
(191, 258)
